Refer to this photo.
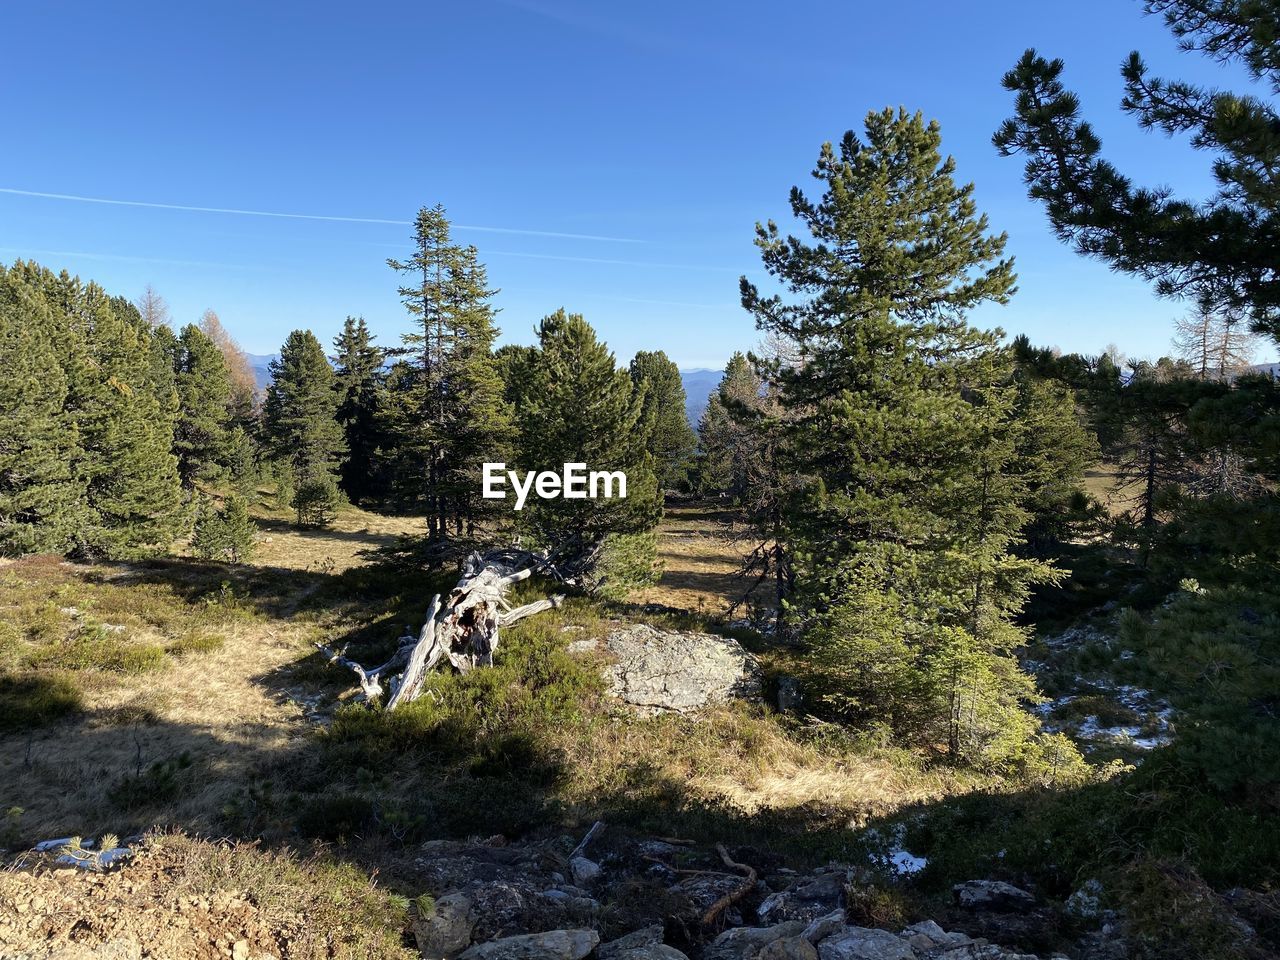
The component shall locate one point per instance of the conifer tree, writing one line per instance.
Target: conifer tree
(900, 424)
(42, 501)
(580, 408)
(447, 409)
(116, 407)
(300, 412)
(359, 378)
(1220, 251)
(670, 438)
(726, 441)
(204, 396)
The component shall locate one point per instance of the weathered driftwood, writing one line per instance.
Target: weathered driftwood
(461, 631)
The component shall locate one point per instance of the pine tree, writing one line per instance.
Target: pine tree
(42, 501)
(580, 408)
(226, 534)
(726, 440)
(446, 408)
(670, 438)
(359, 378)
(1221, 251)
(901, 428)
(117, 406)
(204, 396)
(300, 412)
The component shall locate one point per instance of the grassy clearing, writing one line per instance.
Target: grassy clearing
(700, 553)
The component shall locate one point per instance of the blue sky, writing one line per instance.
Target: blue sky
(611, 158)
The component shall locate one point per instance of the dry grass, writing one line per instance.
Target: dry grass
(1104, 484)
(700, 560)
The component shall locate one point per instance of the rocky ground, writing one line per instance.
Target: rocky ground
(607, 895)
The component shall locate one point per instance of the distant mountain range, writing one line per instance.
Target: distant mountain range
(261, 370)
(699, 383)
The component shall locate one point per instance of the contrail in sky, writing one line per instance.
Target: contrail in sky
(306, 216)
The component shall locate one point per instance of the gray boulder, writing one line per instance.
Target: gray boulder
(651, 951)
(992, 895)
(552, 945)
(447, 931)
(806, 900)
(745, 943)
(656, 671)
(864, 943)
(824, 926)
(788, 948)
(636, 939)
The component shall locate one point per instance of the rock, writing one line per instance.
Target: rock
(644, 937)
(824, 926)
(744, 943)
(240, 950)
(447, 931)
(806, 900)
(992, 895)
(584, 871)
(655, 671)
(864, 943)
(788, 948)
(1086, 903)
(652, 951)
(926, 935)
(788, 694)
(553, 945)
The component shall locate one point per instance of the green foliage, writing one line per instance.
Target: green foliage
(159, 783)
(359, 380)
(300, 413)
(446, 415)
(670, 439)
(201, 438)
(225, 534)
(1220, 249)
(558, 427)
(903, 429)
(317, 501)
(627, 562)
(42, 501)
(105, 423)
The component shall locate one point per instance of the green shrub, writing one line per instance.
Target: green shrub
(627, 562)
(159, 783)
(224, 535)
(317, 501)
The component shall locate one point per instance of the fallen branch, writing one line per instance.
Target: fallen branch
(462, 630)
(733, 896)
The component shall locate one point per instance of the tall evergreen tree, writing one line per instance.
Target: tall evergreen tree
(300, 412)
(670, 438)
(359, 378)
(42, 501)
(118, 408)
(580, 408)
(447, 410)
(902, 425)
(204, 395)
